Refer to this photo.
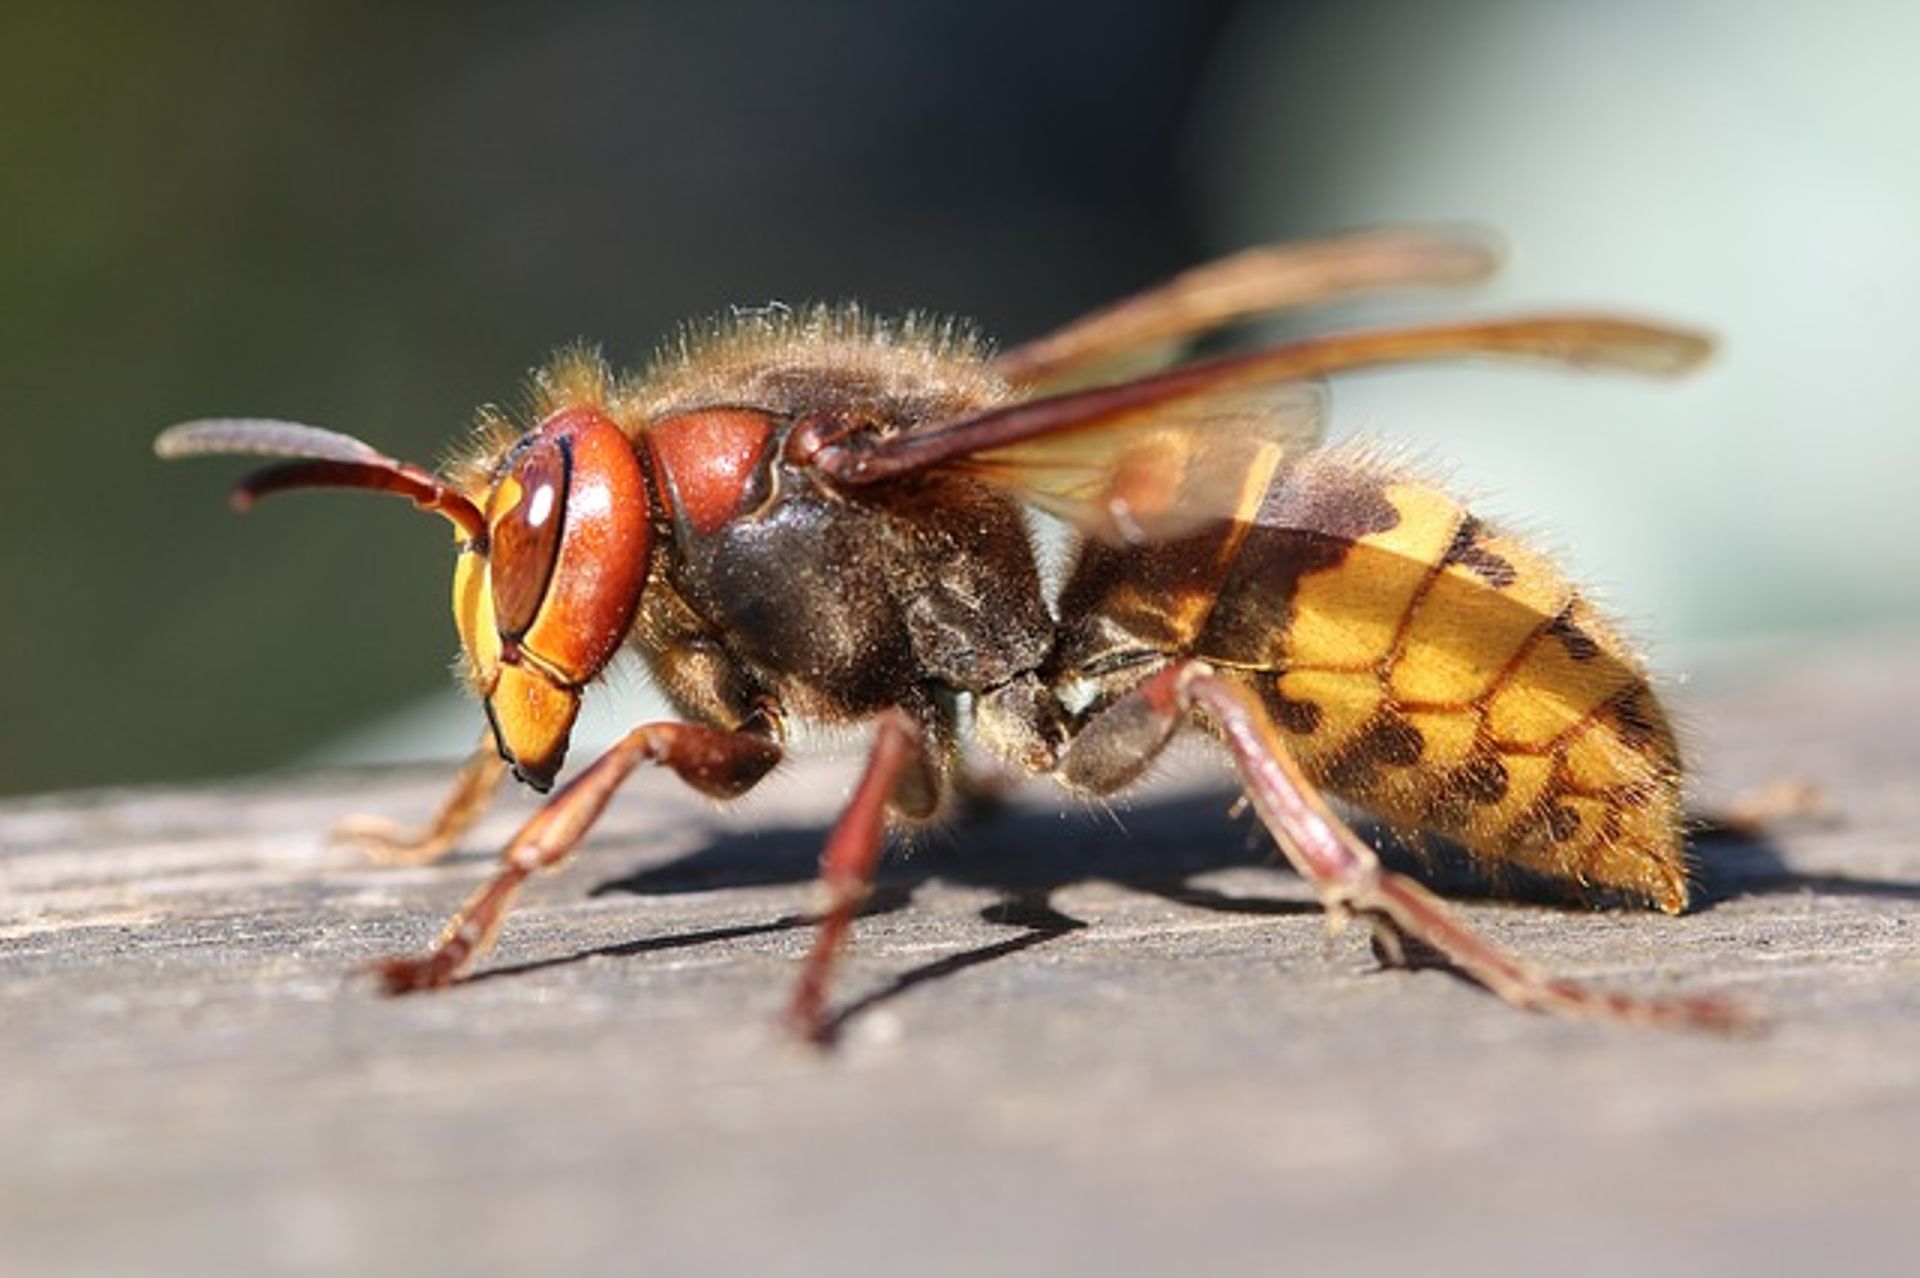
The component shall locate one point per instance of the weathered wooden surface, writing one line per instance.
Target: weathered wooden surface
(1070, 1048)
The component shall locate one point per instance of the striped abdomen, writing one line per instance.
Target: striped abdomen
(1432, 670)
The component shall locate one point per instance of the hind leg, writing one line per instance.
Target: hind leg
(1117, 744)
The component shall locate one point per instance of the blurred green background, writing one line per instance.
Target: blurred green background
(376, 217)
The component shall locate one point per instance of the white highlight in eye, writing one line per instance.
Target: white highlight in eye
(540, 506)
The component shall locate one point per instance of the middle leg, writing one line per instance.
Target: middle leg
(899, 758)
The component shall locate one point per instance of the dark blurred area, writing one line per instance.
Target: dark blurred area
(375, 217)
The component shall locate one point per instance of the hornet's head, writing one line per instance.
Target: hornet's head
(555, 540)
(545, 597)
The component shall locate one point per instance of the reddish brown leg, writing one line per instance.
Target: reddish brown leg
(714, 761)
(847, 865)
(1756, 812)
(386, 842)
(1350, 879)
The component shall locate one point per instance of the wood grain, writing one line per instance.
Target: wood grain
(1073, 1041)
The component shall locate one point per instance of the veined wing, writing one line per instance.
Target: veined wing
(1150, 458)
(1147, 329)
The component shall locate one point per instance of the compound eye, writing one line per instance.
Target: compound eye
(526, 517)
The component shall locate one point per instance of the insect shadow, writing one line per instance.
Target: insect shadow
(1735, 863)
(1162, 847)
(1027, 853)
(1022, 853)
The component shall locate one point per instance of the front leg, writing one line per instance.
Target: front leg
(385, 842)
(715, 761)
(1118, 743)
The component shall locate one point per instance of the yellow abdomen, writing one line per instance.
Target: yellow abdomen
(1446, 677)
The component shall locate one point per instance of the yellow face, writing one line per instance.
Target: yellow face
(473, 614)
(531, 712)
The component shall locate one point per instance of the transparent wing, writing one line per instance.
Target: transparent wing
(1155, 456)
(1159, 472)
(1146, 329)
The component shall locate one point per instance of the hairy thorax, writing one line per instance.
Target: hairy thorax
(833, 608)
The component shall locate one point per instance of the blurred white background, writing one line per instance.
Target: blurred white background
(1750, 168)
